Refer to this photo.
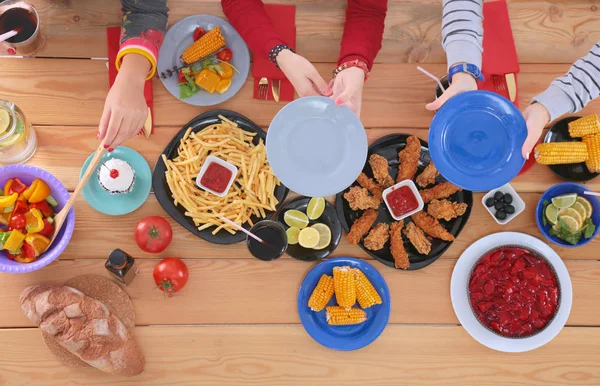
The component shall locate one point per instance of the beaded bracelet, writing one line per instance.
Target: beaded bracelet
(353, 63)
(276, 50)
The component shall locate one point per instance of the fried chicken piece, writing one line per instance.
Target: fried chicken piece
(428, 175)
(443, 190)
(417, 238)
(431, 226)
(447, 210)
(372, 186)
(379, 165)
(409, 159)
(376, 239)
(362, 226)
(397, 246)
(359, 199)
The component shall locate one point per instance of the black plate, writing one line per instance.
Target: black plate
(559, 132)
(388, 147)
(329, 218)
(163, 193)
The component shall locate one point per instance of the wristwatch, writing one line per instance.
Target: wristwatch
(471, 69)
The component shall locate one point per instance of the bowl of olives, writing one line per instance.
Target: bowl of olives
(503, 204)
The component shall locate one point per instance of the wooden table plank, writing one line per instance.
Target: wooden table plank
(72, 93)
(286, 355)
(229, 291)
(544, 31)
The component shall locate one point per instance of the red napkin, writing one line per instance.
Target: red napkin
(113, 38)
(284, 20)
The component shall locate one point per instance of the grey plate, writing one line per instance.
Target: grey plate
(316, 148)
(180, 36)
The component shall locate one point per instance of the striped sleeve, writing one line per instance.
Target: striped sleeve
(462, 31)
(578, 87)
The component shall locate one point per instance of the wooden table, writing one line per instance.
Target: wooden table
(236, 321)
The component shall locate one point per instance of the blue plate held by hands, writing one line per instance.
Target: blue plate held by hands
(475, 140)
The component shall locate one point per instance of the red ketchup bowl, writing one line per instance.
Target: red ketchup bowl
(403, 200)
(514, 292)
(216, 176)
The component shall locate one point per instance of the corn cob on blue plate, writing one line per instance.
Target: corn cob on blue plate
(344, 338)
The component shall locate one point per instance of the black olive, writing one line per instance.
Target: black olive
(499, 205)
(490, 202)
(501, 215)
(509, 209)
(498, 195)
(508, 198)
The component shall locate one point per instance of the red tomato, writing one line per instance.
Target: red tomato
(18, 221)
(225, 55)
(43, 207)
(48, 229)
(21, 207)
(28, 251)
(15, 186)
(198, 33)
(153, 234)
(181, 77)
(170, 275)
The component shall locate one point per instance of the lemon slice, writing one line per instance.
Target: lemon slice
(552, 213)
(565, 200)
(308, 238)
(556, 226)
(4, 120)
(295, 218)
(581, 209)
(570, 212)
(588, 205)
(316, 207)
(572, 224)
(292, 235)
(324, 236)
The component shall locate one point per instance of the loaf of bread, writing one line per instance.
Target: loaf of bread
(85, 327)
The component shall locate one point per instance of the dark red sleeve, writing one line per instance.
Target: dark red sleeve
(363, 31)
(249, 18)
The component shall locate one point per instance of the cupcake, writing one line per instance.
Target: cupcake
(116, 176)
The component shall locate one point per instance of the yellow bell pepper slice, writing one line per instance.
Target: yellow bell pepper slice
(34, 221)
(29, 191)
(42, 190)
(6, 201)
(14, 241)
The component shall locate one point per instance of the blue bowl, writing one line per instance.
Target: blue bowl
(557, 190)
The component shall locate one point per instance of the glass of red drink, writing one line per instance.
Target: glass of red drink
(22, 17)
(274, 238)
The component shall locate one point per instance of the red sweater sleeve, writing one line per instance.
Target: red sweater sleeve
(363, 31)
(249, 18)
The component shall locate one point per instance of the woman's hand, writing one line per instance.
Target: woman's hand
(302, 74)
(348, 87)
(461, 82)
(537, 117)
(125, 109)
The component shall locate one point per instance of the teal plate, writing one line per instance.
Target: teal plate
(118, 204)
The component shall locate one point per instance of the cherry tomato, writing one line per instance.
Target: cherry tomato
(43, 207)
(21, 207)
(48, 229)
(181, 78)
(170, 275)
(14, 186)
(18, 221)
(198, 33)
(225, 55)
(153, 234)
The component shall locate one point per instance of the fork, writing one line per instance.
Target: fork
(263, 88)
(498, 83)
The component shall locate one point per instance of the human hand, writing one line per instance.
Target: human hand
(537, 117)
(347, 88)
(302, 74)
(461, 82)
(125, 109)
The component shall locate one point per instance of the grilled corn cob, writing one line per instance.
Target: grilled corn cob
(561, 153)
(584, 126)
(593, 147)
(345, 287)
(321, 294)
(206, 45)
(337, 316)
(366, 294)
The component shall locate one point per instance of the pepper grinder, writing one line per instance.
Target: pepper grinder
(121, 266)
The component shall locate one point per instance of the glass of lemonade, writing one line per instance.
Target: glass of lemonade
(18, 141)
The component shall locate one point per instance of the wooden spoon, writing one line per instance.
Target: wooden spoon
(60, 217)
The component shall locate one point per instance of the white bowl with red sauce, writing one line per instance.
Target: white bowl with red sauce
(511, 292)
(216, 176)
(403, 200)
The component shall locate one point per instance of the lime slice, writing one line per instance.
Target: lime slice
(552, 213)
(4, 120)
(316, 207)
(556, 226)
(572, 224)
(292, 235)
(564, 201)
(308, 238)
(324, 236)
(295, 218)
(570, 212)
(588, 205)
(581, 209)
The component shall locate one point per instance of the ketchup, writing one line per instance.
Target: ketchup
(513, 292)
(402, 201)
(216, 177)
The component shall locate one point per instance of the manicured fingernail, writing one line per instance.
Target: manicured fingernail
(106, 146)
(328, 90)
(110, 150)
(98, 135)
(339, 101)
(527, 156)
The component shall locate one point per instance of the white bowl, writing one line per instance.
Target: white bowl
(413, 189)
(460, 296)
(210, 159)
(518, 203)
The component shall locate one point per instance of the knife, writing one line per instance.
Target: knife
(275, 85)
(511, 84)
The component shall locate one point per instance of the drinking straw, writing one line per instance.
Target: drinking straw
(8, 35)
(239, 227)
(591, 193)
(429, 74)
